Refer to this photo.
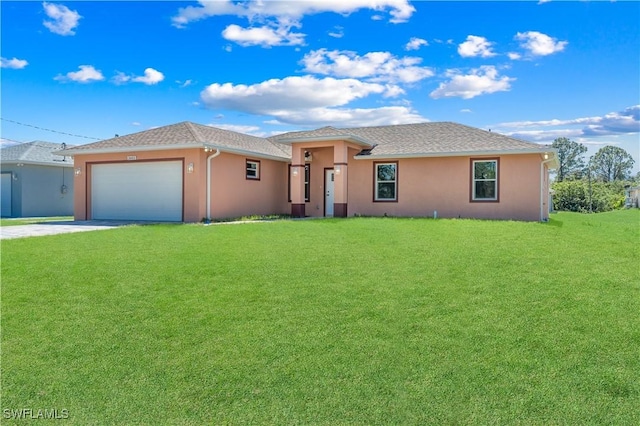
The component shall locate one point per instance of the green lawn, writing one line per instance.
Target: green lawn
(345, 321)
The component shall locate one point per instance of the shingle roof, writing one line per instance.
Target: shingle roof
(188, 135)
(423, 139)
(36, 152)
(404, 140)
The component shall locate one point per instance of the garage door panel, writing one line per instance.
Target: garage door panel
(137, 191)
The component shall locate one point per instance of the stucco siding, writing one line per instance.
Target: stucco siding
(233, 195)
(443, 185)
(194, 208)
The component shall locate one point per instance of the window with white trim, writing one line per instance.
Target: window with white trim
(253, 170)
(386, 182)
(484, 180)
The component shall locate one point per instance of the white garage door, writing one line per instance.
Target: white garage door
(5, 194)
(137, 191)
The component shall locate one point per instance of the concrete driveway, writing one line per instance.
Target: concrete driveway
(52, 228)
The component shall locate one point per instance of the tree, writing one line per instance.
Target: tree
(611, 163)
(569, 156)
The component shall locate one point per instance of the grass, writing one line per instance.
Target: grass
(252, 218)
(33, 220)
(340, 321)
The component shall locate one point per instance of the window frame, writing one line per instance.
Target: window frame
(376, 198)
(257, 169)
(307, 183)
(472, 185)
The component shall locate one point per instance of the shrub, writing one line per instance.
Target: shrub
(574, 195)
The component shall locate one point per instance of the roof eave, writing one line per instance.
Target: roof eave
(347, 138)
(454, 154)
(248, 153)
(144, 148)
(113, 150)
(38, 163)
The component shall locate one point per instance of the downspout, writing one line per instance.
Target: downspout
(209, 158)
(542, 194)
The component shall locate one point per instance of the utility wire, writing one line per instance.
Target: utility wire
(48, 130)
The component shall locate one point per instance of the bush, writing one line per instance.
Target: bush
(573, 195)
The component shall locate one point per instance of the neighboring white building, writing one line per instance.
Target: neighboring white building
(632, 197)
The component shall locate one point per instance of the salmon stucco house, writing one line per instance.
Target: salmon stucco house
(188, 172)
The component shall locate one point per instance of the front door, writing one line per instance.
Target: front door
(328, 192)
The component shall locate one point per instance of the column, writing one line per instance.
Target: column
(297, 182)
(340, 159)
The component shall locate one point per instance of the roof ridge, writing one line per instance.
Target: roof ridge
(194, 131)
(25, 153)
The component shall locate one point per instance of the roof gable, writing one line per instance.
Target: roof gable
(36, 152)
(422, 139)
(187, 135)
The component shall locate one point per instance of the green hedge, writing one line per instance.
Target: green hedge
(573, 195)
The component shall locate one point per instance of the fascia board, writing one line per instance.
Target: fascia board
(38, 163)
(115, 150)
(454, 154)
(354, 139)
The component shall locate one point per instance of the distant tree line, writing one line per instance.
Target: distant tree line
(593, 185)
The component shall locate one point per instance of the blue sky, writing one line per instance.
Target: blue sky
(533, 70)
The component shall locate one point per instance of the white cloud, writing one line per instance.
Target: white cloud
(626, 121)
(150, 77)
(514, 56)
(135, 123)
(338, 32)
(185, 83)
(86, 74)
(307, 100)
(466, 110)
(350, 117)
(538, 44)
(8, 142)
(120, 78)
(289, 93)
(479, 81)
(415, 43)
(62, 20)
(476, 46)
(263, 36)
(276, 18)
(239, 128)
(14, 63)
(400, 10)
(543, 135)
(375, 66)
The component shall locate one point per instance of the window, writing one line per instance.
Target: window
(484, 180)
(307, 181)
(386, 181)
(253, 170)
